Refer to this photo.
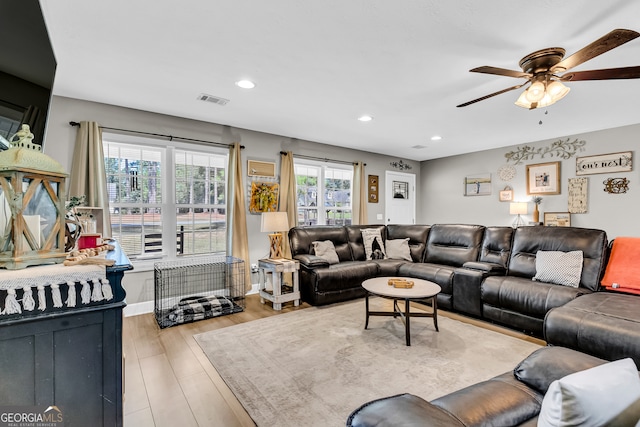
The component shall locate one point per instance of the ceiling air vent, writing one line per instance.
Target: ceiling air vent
(213, 99)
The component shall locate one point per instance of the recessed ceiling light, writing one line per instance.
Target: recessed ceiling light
(436, 138)
(365, 118)
(245, 84)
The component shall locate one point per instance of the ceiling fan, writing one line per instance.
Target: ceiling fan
(544, 68)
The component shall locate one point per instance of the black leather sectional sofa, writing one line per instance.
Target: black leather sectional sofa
(484, 272)
(488, 273)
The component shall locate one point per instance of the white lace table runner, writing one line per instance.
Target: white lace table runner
(92, 278)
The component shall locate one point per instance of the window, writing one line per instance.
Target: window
(165, 199)
(324, 194)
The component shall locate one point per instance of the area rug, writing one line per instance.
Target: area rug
(313, 367)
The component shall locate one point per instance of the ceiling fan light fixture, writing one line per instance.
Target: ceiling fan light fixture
(557, 90)
(535, 92)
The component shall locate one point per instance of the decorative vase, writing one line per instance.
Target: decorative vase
(536, 213)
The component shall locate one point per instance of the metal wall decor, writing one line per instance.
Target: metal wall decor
(401, 165)
(616, 185)
(563, 149)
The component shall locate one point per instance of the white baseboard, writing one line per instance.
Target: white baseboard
(138, 308)
(148, 306)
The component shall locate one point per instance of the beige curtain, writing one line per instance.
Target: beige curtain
(359, 196)
(288, 200)
(88, 176)
(237, 241)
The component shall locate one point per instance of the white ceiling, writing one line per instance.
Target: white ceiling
(319, 65)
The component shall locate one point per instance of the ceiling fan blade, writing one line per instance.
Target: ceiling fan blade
(493, 94)
(604, 74)
(500, 72)
(604, 44)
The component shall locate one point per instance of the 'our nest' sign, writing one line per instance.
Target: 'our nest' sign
(604, 163)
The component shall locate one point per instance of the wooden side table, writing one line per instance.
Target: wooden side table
(277, 268)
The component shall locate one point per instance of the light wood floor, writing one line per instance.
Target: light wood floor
(170, 382)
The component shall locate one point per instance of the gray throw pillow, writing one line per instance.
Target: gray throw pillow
(398, 249)
(326, 250)
(560, 268)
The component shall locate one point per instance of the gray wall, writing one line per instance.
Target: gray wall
(441, 185)
(60, 139)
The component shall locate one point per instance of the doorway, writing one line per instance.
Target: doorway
(400, 198)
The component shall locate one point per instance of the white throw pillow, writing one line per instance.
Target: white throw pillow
(398, 249)
(591, 397)
(373, 244)
(561, 268)
(326, 250)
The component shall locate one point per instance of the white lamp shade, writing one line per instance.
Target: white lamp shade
(518, 208)
(274, 221)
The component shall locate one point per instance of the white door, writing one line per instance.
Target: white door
(400, 198)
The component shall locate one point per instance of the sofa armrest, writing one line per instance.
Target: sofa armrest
(401, 410)
(311, 262)
(490, 268)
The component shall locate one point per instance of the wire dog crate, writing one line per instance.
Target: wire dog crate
(198, 288)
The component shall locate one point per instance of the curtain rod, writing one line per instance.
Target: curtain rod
(171, 137)
(322, 159)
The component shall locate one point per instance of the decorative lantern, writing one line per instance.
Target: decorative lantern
(32, 208)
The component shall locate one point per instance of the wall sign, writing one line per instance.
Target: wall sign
(604, 163)
(577, 195)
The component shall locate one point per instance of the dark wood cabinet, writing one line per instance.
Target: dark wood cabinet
(71, 358)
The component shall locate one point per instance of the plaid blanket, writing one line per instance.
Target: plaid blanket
(197, 308)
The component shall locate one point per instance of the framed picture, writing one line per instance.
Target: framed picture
(506, 195)
(477, 185)
(543, 178)
(400, 190)
(557, 219)
(373, 188)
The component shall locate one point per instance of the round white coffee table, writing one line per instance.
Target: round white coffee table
(422, 290)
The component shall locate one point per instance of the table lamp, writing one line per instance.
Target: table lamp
(274, 223)
(518, 208)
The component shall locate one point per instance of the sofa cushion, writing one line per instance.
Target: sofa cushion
(301, 240)
(354, 235)
(441, 275)
(525, 296)
(398, 249)
(453, 244)
(388, 267)
(326, 250)
(591, 397)
(417, 235)
(623, 269)
(547, 364)
(373, 244)
(527, 241)
(347, 274)
(561, 268)
(496, 245)
(500, 401)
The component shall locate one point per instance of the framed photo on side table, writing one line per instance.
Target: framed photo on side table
(543, 178)
(557, 219)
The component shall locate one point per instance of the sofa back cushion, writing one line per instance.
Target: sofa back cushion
(354, 233)
(417, 235)
(496, 245)
(301, 240)
(527, 241)
(453, 244)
